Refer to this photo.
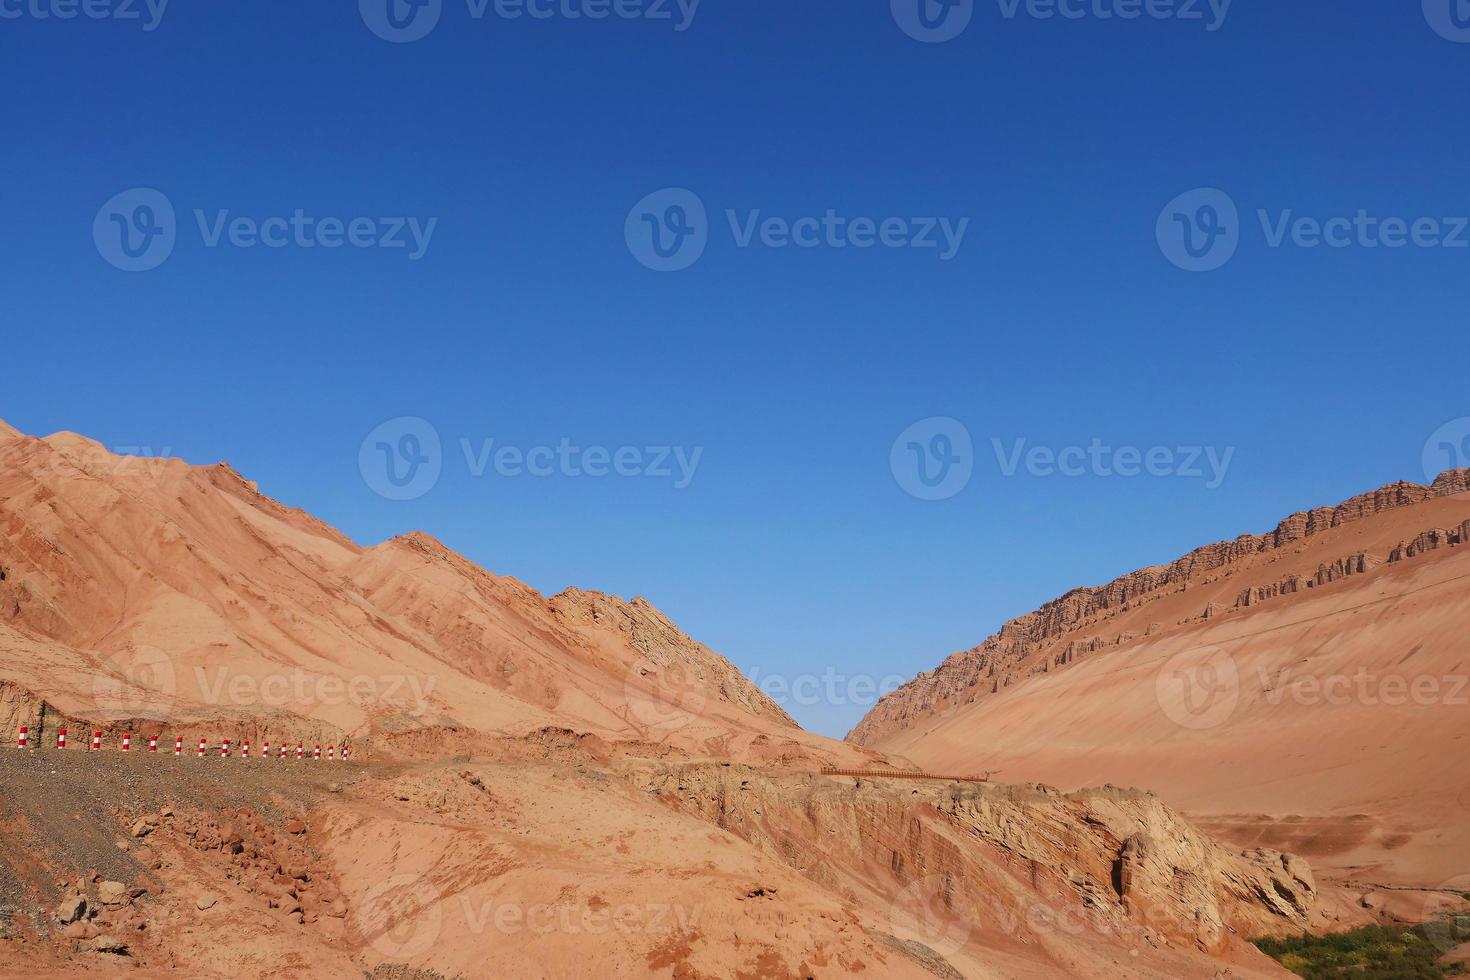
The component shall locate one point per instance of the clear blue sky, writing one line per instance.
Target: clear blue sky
(528, 319)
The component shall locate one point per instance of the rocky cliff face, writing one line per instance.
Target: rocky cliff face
(664, 647)
(1059, 631)
(995, 864)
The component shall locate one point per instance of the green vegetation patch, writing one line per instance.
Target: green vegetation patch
(1372, 952)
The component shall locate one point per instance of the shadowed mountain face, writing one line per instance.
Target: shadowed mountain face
(1305, 688)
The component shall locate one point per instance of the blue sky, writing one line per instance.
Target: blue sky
(530, 319)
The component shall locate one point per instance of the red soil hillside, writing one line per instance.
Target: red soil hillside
(562, 787)
(153, 589)
(1308, 688)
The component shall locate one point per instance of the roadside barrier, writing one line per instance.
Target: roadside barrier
(334, 752)
(901, 774)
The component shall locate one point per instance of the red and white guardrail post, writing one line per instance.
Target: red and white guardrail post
(299, 751)
(61, 739)
(127, 741)
(224, 749)
(178, 746)
(152, 743)
(96, 741)
(316, 755)
(283, 752)
(20, 740)
(201, 746)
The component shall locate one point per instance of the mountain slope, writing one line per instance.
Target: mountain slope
(1317, 672)
(176, 592)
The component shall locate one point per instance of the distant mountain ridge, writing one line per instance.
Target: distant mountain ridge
(1018, 640)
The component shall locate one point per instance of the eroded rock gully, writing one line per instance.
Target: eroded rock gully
(1026, 861)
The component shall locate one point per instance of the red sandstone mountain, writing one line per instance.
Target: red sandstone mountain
(1305, 688)
(564, 787)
